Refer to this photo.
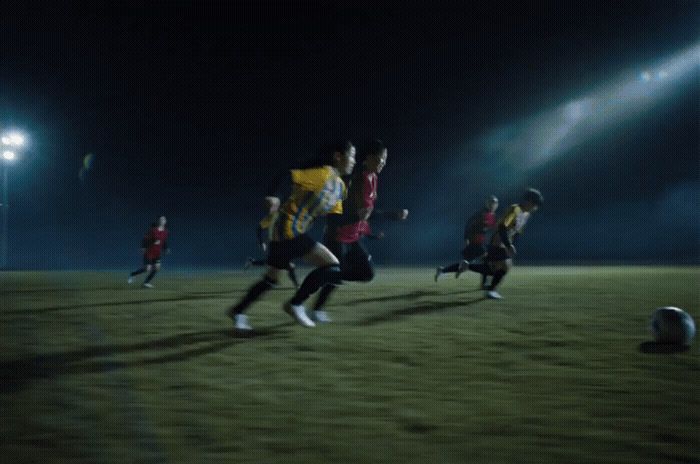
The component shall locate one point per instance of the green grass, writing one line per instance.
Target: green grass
(411, 371)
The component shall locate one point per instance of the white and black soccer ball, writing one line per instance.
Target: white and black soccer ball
(672, 325)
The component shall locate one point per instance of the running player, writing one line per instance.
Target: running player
(263, 233)
(474, 239)
(499, 259)
(345, 231)
(154, 243)
(315, 192)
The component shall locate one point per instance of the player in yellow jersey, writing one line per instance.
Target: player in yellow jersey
(499, 259)
(263, 233)
(316, 191)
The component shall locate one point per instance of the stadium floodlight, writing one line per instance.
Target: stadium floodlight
(16, 139)
(535, 140)
(11, 139)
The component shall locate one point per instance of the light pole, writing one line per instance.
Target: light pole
(8, 156)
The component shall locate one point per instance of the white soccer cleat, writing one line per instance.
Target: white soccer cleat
(147, 285)
(240, 322)
(298, 312)
(463, 266)
(130, 280)
(438, 273)
(321, 316)
(494, 295)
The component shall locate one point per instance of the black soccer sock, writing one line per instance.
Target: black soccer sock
(253, 294)
(293, 277)
(323, 296)
(483, 280)
(138, 271)
(482, 268)
(327, 275)
(150, 276)
(450, 268)
(497, 277)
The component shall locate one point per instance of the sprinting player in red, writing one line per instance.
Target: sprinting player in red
(316, 191)
(345, 231)
(475, 231)
(499, 259)
(154, 243)
(263, 232)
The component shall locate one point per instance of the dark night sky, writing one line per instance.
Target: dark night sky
(190, 106)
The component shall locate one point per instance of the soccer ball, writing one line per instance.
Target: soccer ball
(672, 325)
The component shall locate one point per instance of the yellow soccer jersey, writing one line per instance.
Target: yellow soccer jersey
(514, 221)
(315, 192)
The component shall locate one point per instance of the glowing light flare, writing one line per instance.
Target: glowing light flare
(539, 138)
(8, 155)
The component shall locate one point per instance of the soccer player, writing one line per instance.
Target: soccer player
(263, 233)
(474, 239)
(499, 258)
(345, 231)
(315, 192)
(154, 243)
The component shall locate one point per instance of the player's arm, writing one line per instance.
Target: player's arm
(393, 215)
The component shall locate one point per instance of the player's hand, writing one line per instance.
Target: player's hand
(263, 246)
(511, 251)
(272, 204)
(404, 214)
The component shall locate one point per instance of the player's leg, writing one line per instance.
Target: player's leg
(327, 272)
(319, 313)
(268, 281)
(152, 274)
(500, 269)
(292, 273)
(141, 270)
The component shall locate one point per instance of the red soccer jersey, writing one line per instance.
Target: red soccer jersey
(351, 233)
(478, 225)
(155, 241)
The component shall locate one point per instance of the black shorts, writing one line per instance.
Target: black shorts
(473, 251)
(355, 262)
(281, 253)
(150, 261)
(497, 253)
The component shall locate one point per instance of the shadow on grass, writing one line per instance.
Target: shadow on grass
(410, 296)
(16, 374)
(51, 309)
(426, 308)
(662, 348)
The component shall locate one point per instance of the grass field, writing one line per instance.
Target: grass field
(411, 371)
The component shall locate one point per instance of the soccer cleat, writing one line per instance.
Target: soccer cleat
(298, 312)
(240, 322)
(130, 280)
(463, 266)
(493, 295)
(438, 273)
(147, 285)
(321, 316)
(248, 263)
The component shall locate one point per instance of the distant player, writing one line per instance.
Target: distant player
(345, 231)
(474, 239)
(154, 243)
(315, 192)
(263, 233)
(499, 259)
